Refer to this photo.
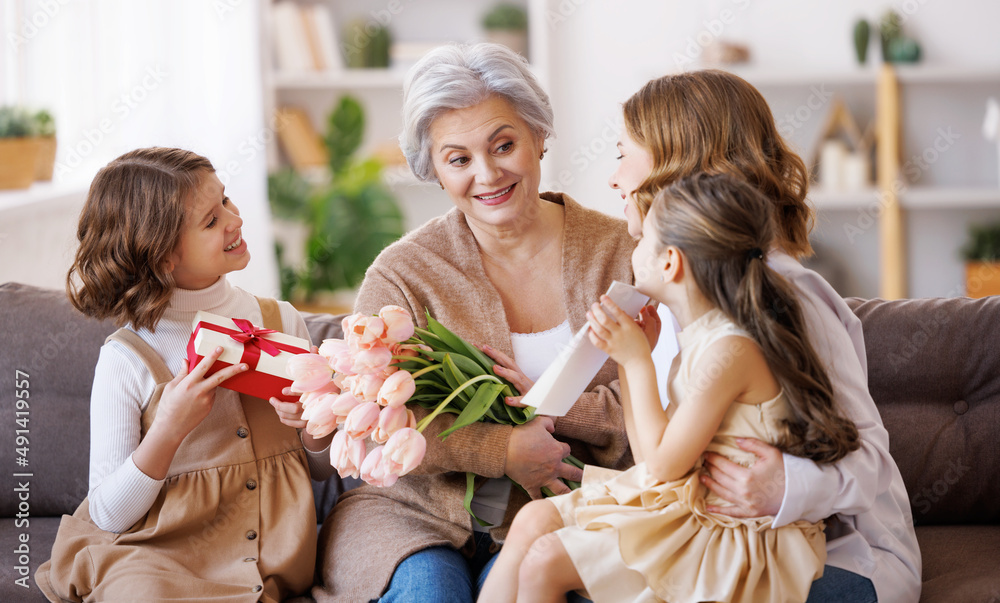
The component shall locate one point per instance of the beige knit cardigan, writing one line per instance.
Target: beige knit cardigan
(439, 267)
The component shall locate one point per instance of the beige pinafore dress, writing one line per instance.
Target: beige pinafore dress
(633, 538)
(234, 520)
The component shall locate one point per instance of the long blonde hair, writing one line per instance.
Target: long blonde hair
(130, 224)
(715, 122)
(723, 226)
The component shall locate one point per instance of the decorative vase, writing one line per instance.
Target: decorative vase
(861, 37)
(18, 162)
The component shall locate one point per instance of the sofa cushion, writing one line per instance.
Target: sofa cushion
(57, 347)
(960, 563)
(41, 534)
(934, 372)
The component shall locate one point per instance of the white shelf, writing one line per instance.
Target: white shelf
(42, 192)
(347, 78)
(914, 198)
(943, 74)
(867, 74)
(928, 197)
(797, 76)
(839, 200)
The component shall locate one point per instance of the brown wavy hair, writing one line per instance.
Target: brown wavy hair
(715, 122)
(129, 225)
(723, 226)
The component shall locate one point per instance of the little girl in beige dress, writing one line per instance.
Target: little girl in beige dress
(745, 369)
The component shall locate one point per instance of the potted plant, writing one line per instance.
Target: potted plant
(896, 46)
(344, 223)
(982, 260)
(18, 148)
(45, 129)
(507, 24)
(370, 45)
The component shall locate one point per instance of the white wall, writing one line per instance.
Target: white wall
(120, 75)
(602, 52)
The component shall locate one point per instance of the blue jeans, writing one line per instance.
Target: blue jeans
(838, 585)
(441, 574)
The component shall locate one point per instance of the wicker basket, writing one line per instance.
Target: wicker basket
(18, 162)
(46, 158)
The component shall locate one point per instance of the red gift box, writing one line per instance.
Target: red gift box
(265, 351)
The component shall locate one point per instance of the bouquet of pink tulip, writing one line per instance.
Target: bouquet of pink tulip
(362, 384)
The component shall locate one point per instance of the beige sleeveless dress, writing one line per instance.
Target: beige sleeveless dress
(633, 538)
(234, 521)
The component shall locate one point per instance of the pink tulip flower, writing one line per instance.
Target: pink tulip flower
(404, 451)
(390, 420)
(384, 373)
(370, 361)
(309, 372)
(373, 470)
(409, 351)
(365, 333)
(331, 347)
(343, 362)
(307, 399)
(348, 322)
(398, 324)
(346, 454)
(321, 421)
(411, 419)
(342, 406)
(397, 389)
(367, 387)
(312, 402)
(340, 378)
(362, 420)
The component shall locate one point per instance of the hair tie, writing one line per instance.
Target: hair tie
(755, 254)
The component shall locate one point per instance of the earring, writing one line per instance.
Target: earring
(542, 155)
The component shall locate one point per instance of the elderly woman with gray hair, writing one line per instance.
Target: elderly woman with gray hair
(511, 269)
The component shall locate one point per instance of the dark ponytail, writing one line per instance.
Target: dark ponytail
(724, 226)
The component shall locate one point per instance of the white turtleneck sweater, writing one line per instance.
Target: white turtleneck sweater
(120, 494)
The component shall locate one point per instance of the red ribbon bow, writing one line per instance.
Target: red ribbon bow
(250, 335)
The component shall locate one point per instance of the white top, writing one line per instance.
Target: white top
(875, 536)
(533, 353)
(120, 494)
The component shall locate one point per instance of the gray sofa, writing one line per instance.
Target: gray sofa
(934, 373)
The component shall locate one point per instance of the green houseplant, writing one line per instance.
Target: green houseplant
(507, 24)
(18, 148)
(896, 46)
(347, 220)
(982, 260)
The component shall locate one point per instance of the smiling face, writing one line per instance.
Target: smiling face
(211, 243)
(487, 158)
(635, 163)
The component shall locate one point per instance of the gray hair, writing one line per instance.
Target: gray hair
(457, 76)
